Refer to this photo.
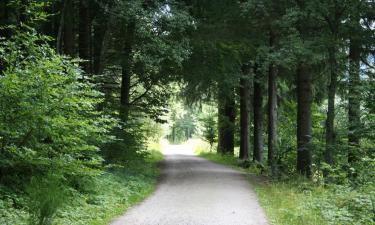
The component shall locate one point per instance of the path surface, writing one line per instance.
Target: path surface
(194, 191)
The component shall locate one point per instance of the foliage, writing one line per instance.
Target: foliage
(48, 118)
(47, 194)
(57, 130)
(209, 129)
(106, 196)
(49, 123)
(182, 123)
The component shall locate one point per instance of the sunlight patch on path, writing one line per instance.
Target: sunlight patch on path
(186, 148)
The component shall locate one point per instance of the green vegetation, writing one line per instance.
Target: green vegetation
(287, 86)
(298, 201)
(104, 197)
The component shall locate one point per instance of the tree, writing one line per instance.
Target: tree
(226, 119)
(354, 97)
(272, 113)
(69, 40)
(209, 132)
(258, 116)
(244, 113)
(304, 91)
(84, 35)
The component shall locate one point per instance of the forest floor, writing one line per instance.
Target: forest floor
(196, 191)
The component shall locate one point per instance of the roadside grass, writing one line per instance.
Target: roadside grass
(297, 201)
(105, 197)
(283, 204)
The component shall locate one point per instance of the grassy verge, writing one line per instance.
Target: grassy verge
(105, 197)
(300, 202)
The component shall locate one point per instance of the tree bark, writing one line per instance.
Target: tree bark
(354, 112)
(60, 31)
(84, 34)
(272, 112)
(244, 116)
(258, 118)
(272, 117)
(127, 63)
(330, 126)
(69, 28)
(226, 120)
(304, 101)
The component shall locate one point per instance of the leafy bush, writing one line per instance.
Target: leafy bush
(48, 118)
(105, 196)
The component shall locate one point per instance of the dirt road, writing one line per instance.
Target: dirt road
(194, 191)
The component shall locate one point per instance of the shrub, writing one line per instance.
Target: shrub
(48, 116)
(47, 194)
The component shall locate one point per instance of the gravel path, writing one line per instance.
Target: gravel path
(194, 191)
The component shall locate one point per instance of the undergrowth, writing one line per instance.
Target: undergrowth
(104, 197)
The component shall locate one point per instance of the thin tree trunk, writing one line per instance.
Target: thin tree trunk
(61, 26)
(84, 34)
(127, 61)
(104, 46)
(221, 123)
(330, 126)
(304, 101)
(100, 32)
(69, 28)
(244, 117)
(258, 119)
(354, 101)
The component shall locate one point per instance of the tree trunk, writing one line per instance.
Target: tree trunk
(127, 62)
(304, 101)
(244, 117)
(272, 112)
(69, 28)
(226, 120)
(258, 118)
(354, 100)
(59, 38)
(330, 126)
(272, 117)
(100, 31)
(84, 34)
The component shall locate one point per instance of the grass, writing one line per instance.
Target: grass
(106, 197)
(297, 201)
(284, 205)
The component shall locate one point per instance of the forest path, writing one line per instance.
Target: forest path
(195, 191)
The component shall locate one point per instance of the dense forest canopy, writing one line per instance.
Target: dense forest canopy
(288, 85)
